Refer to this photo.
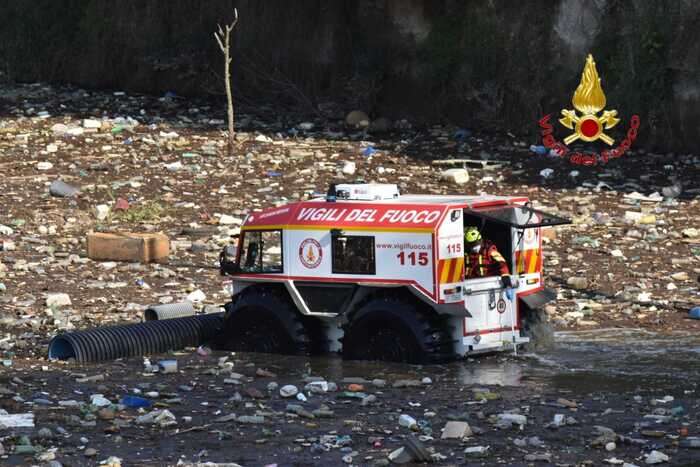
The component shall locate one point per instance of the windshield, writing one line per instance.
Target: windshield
(521, 217)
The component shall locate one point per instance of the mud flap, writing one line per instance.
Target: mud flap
(539, 299)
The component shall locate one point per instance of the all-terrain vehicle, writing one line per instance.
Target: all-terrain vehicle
(377, 275)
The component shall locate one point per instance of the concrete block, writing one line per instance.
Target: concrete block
(131, 247)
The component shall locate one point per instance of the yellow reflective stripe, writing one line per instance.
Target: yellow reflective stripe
(459, 268)
(497, 256)
(445, 272)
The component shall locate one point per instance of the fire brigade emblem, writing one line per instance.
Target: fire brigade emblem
(310, 253)
(589, 99)
(501, 306)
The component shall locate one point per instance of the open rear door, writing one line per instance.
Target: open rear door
(516, 231)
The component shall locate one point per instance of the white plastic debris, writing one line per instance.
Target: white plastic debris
(546, 173)
(17, 420)
(407, 421)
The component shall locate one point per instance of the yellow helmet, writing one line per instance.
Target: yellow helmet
(472, 235)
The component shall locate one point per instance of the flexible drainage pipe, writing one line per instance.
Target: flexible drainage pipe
(169, 311)
(134, 340)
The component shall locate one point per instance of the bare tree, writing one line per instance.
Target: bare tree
(223, 38)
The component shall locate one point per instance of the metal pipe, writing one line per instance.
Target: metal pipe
(134, 340)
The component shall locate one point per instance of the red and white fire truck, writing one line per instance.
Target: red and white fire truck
(374, 274)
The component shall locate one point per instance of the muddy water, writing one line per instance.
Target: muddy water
(611, 360)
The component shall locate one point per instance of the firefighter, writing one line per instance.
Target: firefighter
(482, 259)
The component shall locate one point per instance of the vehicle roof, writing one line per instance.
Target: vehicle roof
(389, 214)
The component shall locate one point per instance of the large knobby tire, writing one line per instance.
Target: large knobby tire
(264, 319)
(396, 329)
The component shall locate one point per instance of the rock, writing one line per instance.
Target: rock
(61, 189)
(656, 457)
(289, 390)
(44, 165)
(58, 300)
(680, 276)
(578, 283)
(90, 452)
(456, 430)
(380, 125)
(691, 232)
(458, 176)
(611, 446)
(357, 119)
(5, 230)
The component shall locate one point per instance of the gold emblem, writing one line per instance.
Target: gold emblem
(310, 256)
(589, 99)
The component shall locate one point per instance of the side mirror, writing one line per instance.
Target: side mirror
(227, 259)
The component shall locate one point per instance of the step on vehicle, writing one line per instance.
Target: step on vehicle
(376, 275)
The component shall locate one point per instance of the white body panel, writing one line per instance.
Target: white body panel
(399, 258)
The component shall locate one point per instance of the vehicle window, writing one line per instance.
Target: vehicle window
(353, 254)
(262, 251)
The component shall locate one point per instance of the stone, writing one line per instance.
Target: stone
(691, 232)
(90, 452)
(289, 390)
(357, 119)
(578, 283)
(380, 125)
(680, 276)
(61, 189)
(611, 446)
(457, 176)
(456, 430)
(58, 300)
(44, 166)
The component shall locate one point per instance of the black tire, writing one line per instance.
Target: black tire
(536, 326)
(263, 319)
(396, 329)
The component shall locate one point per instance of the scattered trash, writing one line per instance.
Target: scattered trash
(694, 313)
(546, 173)
(20, 420)
(457, 176)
